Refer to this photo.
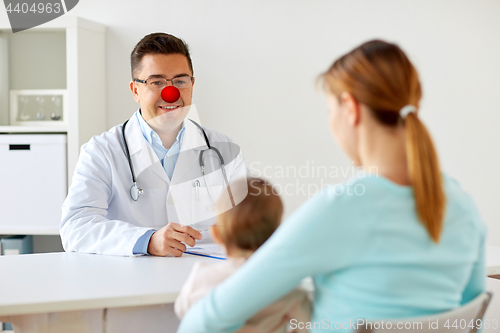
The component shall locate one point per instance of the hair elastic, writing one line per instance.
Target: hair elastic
(405, 110)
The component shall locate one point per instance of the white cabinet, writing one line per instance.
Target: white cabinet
(67, 53)
(34, 187)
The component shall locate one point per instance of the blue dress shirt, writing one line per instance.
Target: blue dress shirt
(168, 159)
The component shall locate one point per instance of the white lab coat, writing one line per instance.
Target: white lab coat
(99, 215)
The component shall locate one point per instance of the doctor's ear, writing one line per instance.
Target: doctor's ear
(351, 108)
(133, 88)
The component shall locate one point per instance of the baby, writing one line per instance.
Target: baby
(241, 231)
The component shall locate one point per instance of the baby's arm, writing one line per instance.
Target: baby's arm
(190, 292)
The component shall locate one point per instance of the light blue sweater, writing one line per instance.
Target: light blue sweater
(368, 254)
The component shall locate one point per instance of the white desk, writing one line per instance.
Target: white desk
(53, 282)
(65, 282)
(63, 289)
(493, 261)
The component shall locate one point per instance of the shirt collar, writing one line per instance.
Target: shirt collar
(148, 132)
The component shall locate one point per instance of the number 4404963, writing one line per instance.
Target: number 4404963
(479, 324)
(40, 8)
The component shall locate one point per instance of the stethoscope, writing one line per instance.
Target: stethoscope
(136, 192)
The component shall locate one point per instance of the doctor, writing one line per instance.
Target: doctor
(137, 188)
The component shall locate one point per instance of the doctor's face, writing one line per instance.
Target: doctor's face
(167, 66)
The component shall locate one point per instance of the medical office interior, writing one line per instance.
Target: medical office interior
(256, 65)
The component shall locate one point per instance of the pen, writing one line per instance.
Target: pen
(204, 255)
(197, 185)
(200, 231)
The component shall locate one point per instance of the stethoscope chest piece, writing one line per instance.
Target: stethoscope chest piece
(136, 192)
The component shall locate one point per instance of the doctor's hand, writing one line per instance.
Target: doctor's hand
(167, 240)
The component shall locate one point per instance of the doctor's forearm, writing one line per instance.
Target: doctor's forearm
(89, 232)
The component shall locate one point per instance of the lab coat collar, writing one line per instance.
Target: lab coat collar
(194, 138)
(133, 134)
(143, 155)
(141, 152)
(191, 139)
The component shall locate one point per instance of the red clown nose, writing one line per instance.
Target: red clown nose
(170, 94)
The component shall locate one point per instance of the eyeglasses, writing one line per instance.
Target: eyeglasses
(159, 83)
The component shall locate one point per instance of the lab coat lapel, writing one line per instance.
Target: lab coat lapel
(141, 152)
(186, 169)
(192, 143)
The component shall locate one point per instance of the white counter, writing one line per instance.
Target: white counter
(52, 282)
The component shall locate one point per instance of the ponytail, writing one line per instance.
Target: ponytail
(425, 176)
(379, 75)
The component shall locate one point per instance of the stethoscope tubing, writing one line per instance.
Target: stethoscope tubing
(135, 191)
(221, 163)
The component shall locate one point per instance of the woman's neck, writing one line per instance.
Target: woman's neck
(383, 148)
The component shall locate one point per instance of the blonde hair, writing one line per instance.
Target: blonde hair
(379, 75)
(251, 222)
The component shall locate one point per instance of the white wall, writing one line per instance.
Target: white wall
(256, 61)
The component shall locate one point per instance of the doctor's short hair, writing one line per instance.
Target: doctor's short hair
(158, 43)
(251, 222)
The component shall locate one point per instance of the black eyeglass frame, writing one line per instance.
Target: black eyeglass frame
(156, 78)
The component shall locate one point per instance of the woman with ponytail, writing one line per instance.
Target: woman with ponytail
(409, 242)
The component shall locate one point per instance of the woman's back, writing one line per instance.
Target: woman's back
(388, 267)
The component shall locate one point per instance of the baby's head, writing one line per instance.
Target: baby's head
(242, 229)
